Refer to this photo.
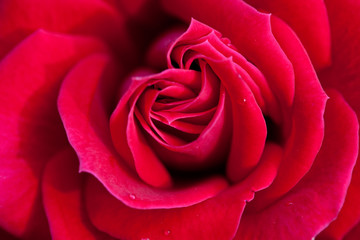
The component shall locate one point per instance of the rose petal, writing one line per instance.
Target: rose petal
(308, 208)
(307, 125)
(344, 72)
(208, 93)
(249, 129)
(147, 164)
(354, 233)
(88, 131)
(265, 172)
(18, 19)
(129, 7)
(249, 31)
(344, 75)
(7, 236)
(61, 187)
(193, 155)
(31, 131)
(207, 43)
(156, 54)
(312, 28)
(349, 214)
(216, 217)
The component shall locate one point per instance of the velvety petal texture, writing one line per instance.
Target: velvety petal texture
(319, 196)
(313, 28)
(18, 19)
(87, 126)
(199, 221)
(306, 116)
(344, 75)
(62, 196)
(31, 131)
(171, 119)
(255, 40)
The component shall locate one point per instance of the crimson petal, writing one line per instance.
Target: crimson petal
(31, 131)
(344, 75)
(312, 28)
(306, 118)
(216, 217)
(62, 196)
(251, 34)
(84, 118)
(319, 196)
(18, 19)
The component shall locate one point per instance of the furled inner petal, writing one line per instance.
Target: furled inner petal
(250, 32)
(201, 45)
(194, 155)
(211, 46)
(87, 127)
(147, 164)
(208, 95)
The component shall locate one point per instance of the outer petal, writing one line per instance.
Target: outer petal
(354, 233)
(31, 131)
(312, 28)
(6, 236)
(18, 19)
(344, 75)
(216, 218)
(317, 198)
(63, 200)
(306, 118)
(86, 120)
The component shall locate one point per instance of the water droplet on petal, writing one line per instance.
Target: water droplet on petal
(132, 196)
(145, 239)
(244, 99)
(289, 204)
(167, 233)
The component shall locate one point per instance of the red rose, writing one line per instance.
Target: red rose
(118, 123)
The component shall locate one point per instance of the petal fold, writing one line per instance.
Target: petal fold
(62, 196)
(216, 217)
(31, 130)
(317, 199)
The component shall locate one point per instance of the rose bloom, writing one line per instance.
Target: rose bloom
(169, 119)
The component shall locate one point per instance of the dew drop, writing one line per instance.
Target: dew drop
(167, 232)
(239, 76)
(132, 196)
(244, 99)
(289, 204)
(145, 239)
